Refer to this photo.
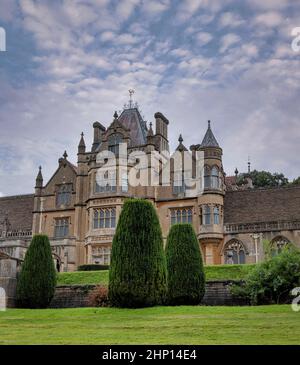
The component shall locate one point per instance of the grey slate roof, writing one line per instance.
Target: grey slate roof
(132, 119)
(209, 139)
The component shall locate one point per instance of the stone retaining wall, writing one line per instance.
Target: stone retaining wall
(72, 296)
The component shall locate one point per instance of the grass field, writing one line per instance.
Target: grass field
(158, 325)
(219, 272)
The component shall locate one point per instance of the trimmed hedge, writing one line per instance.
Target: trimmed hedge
(137, 276)
(186, 278)
(37, 279)
(92, 267)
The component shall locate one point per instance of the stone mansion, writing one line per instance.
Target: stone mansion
(80, 217)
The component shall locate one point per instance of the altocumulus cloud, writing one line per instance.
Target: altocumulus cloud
(69, 63)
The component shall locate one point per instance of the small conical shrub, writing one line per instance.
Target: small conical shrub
(37, 279)
(186, 278)
(137, 276)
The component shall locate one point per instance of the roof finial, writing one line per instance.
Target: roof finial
(65, 155)
(116, 115)
(180, 139)
(249, 165)
(208, 124)
(236, 172)
(131, 92)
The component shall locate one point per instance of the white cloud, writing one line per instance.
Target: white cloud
(228, 40)
(203, 38)
(232, 20)
(154, 7)
(125, 8)
(269, 4)
(269, 19)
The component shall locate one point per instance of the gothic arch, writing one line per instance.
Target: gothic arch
(278, 242)
(234, 252)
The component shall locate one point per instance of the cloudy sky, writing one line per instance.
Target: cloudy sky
(71, 62)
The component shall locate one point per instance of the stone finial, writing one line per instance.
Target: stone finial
(39, 179)
(81, 146)
(116, 115)
(180, 139)
(65, 155)
(236, 172)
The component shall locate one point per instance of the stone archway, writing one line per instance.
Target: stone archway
(57, 262)
(234, 252)
(278, 243)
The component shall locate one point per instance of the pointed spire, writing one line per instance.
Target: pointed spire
(209, 139)
(39, 179)
(181, 147)
(81, 146)
(150, 131)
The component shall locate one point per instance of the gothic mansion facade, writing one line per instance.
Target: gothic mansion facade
(80, 216)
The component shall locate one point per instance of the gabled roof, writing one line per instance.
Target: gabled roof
(209, 139)
(131, 119)
(181, 147)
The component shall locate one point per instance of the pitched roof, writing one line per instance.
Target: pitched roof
(132, 119)
(17, 210)
(262, 205)
(209, 139)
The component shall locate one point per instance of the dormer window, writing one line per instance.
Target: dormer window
(113, 143)
(63, 196)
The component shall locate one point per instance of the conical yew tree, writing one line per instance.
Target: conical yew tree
(137, 276)
(186, 278)
(37, 279)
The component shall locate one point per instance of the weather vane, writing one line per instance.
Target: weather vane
(131, 92)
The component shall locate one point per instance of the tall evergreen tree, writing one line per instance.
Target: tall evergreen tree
(137, 276)
(186, 278)
(37, 279)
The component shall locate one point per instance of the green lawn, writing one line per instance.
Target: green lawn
(158, 325)
(218, 272)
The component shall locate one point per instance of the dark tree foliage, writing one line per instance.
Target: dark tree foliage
(186, 278)
(37, 279)
(262, 179)
(137, 276)
(272, 281)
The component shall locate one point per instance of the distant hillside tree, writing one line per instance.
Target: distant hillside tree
(37, 279)
(296, 181)
(186, 278)
(137, 275)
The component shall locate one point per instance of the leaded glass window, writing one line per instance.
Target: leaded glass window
(61, 228)
(234, 252)
(181, 215)
(104, 218)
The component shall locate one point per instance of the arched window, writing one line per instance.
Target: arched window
(215, 180)
(104, 218)
(207, 181)
(278, 243)
(234, 252)
(206, 215)
(113, 143)
(216, 215)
